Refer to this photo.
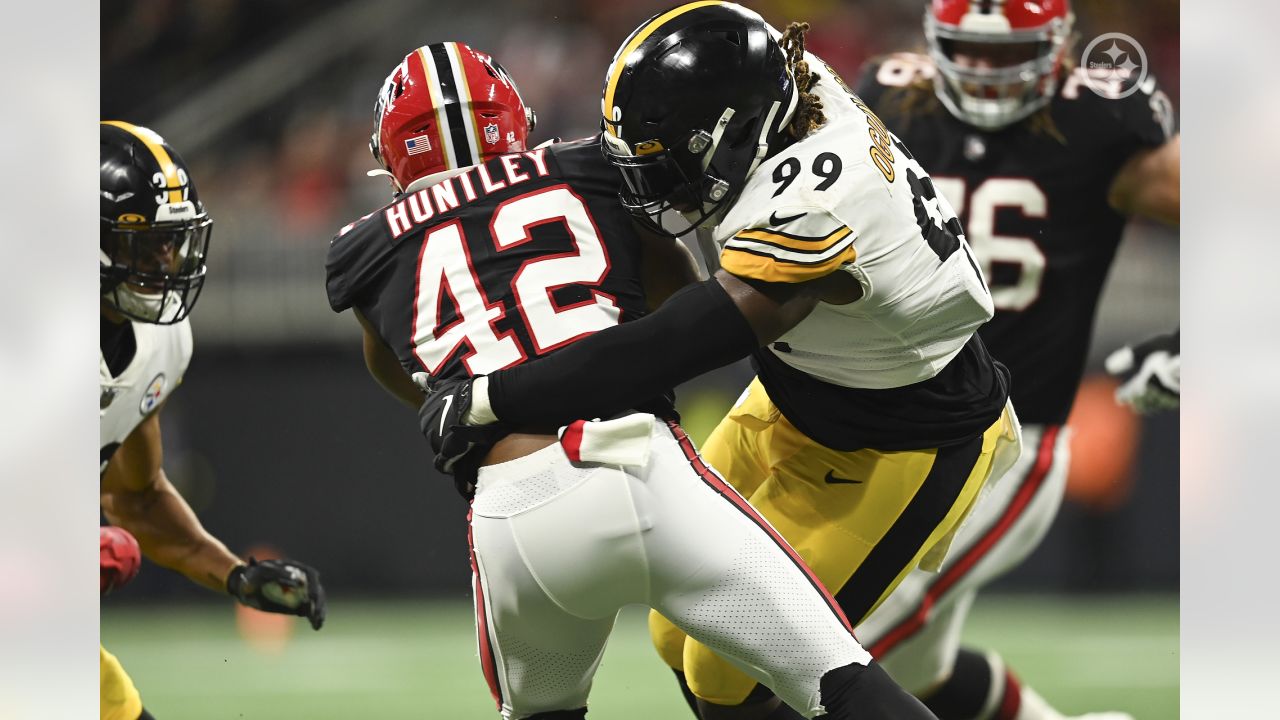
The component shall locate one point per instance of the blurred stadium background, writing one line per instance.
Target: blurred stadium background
(283, 444)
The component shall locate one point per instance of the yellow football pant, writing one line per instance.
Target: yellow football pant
(119, 699)
(862, 520)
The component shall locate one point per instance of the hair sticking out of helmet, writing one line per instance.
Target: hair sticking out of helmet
(808, 116)
(445, 107)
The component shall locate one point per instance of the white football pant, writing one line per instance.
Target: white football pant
(559, 547)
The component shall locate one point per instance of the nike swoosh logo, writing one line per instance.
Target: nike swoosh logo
(833, 480)
(775, 220)
(444, 415)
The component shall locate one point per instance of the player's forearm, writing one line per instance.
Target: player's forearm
(1149, 184)
(169, 533)
(697, 330)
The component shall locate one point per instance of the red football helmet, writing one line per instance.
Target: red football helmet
(998, 60)
(446, 106)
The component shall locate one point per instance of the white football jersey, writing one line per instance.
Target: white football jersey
(162, 355)
(849, 198)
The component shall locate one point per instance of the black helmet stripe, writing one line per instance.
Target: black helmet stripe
(173, 184)
(456, 121)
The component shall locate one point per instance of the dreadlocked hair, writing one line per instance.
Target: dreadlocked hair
(808, 116)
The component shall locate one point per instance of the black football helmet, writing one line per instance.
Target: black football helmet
(154, 229)
(694, 99)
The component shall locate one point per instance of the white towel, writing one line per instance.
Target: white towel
(624, 441)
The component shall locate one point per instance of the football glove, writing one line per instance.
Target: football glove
(1152, 374)
(119, 558)
(279, 586)
(458, 447)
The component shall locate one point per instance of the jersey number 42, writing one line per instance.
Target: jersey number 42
(446, 270)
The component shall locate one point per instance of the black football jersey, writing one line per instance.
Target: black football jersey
(1033, 201)
(505, 262)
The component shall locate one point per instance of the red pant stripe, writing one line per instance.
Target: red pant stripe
(488, 661)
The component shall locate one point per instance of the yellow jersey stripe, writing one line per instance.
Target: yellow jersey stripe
(641, 35)
(793, 242)
(769, 269)
(153, 143)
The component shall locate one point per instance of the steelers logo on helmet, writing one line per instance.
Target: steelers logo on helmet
(154, 229)
(695, 99)
(998, 60)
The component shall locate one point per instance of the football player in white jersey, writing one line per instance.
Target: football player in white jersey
(154, 236)
(877, 416)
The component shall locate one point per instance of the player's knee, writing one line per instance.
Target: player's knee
(667, 639)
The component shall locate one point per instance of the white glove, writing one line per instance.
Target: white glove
(1152, 374)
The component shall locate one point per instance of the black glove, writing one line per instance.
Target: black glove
(1152, 373)
(279, 586)
(458, 447)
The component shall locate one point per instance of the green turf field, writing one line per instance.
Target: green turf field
(417, 660)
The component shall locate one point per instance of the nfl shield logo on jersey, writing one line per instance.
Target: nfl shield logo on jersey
(491, 133)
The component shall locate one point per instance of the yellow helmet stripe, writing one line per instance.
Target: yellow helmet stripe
(153, 143)
(620, 61)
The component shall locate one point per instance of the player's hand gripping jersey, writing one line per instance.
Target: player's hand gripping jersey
(1034, 200)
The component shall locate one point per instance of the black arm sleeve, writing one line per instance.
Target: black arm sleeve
(698, 329)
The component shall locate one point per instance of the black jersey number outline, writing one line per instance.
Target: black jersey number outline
(447, 274)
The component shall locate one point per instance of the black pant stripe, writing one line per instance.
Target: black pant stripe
(935, 498)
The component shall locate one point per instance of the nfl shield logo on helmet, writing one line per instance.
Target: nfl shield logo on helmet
(491, 133)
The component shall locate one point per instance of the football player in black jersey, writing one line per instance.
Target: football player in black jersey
(493, 254)
(1044, 163)
(154, 234)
